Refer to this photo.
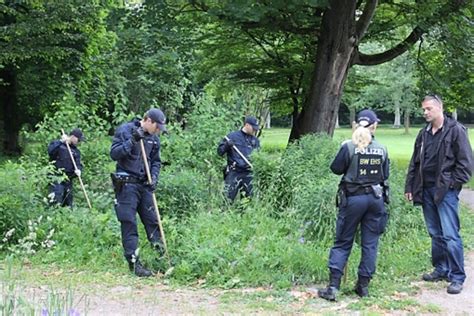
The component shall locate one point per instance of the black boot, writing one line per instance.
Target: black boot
(329, 293)
(138, 269)
(362, 286)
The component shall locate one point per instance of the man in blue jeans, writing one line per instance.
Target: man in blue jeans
(441, 163)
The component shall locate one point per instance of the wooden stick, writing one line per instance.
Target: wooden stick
(75, 168)
(148, 174)
(238, 151)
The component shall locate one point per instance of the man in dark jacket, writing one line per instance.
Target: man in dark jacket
(441, 163)
(61, 192)
(238, 146)
(132, 191)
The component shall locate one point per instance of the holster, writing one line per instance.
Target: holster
(341, 197)
(386, 192)
(377, 190)
(117, 182)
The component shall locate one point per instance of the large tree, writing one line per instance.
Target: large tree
(336, 29)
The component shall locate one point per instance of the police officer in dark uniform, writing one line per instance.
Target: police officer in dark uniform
(364, 164)
(133, 192)
(60, 193)
(238, 146)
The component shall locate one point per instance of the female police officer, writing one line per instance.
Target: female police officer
(364, 164)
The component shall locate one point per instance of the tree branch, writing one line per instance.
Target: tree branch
(365, 18)
(376, 59)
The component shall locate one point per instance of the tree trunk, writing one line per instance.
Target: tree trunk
(454, 114)
(406, 121)
(335, 48)
(10, 113)
(294, 114)
(352, 116)
(396, 122)
(337, 121)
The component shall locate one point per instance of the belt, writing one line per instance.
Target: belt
(129, 179)
(360, 191)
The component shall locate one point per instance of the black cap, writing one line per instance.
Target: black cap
(252, 121)
(78, 133)
(157, 116)
(366, 118)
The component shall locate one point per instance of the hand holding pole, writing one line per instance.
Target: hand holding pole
(238, 151)
(75, 171)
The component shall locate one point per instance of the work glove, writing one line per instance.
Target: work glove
(64, 139)
(77, 172)
(153, 184)
(138, 134)
(229, 143)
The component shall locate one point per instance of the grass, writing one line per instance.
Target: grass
(399, 144)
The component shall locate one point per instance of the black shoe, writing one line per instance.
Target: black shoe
(362, 286)
(434, 276)
(328, 293)
(455, 288)
(362, 291)
(139, 270)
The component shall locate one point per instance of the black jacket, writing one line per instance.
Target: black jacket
(58, 153)
(128, 153)
(455, 161)
(244, 142)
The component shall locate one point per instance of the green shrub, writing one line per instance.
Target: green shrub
(233, 249)
(184, 192)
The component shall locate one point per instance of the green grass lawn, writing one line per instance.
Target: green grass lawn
(399, 144)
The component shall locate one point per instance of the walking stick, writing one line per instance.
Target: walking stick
(75, 168)
(238, 151)
(148, 174)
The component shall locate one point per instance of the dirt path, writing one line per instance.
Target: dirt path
(155, 298)
(435, 294)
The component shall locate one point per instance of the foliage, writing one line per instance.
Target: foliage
(444, 63)
(47, 48)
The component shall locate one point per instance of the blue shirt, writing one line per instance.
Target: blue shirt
(244, 142)
(128, 153)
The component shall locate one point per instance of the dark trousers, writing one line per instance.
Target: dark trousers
(61, 193)
(238, 181)
(136, 198)
(369, 212)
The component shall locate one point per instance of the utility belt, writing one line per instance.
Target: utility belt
(346, 191)
(233, 167)
(119, 179)
(361, 191)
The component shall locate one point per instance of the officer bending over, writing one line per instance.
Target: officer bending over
(364, 164)
(239, 145)
(132, 191)
(60, 193)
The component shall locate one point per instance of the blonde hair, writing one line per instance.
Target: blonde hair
(362, 136)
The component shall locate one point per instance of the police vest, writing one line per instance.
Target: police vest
(366, 166)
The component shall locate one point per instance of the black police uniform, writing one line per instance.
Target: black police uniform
(238, 175)
(133, 193)
(361, 201)
(59, 153)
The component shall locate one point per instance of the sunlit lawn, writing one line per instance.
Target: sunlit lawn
(399, 144)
